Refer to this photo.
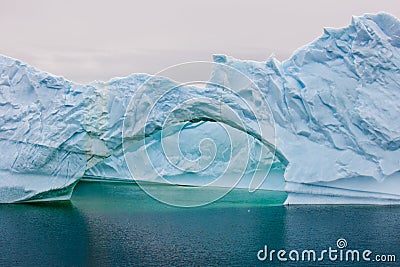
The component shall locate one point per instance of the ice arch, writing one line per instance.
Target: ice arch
(54, 131)
(161, 103)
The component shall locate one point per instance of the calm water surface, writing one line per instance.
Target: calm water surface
(109, 224)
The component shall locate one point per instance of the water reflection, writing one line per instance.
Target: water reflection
(318, 227)
(46, 234)
(114, 224)
(140, 231)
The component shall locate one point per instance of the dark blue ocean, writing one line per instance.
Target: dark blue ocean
(115, 224)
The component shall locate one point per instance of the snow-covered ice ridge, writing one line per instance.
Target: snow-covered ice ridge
(335, 103)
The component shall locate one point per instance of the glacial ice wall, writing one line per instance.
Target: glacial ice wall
(53, 132)
(336, 107)
(334, 103)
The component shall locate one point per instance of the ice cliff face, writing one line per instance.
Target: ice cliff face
(335, 106)
(54, 132)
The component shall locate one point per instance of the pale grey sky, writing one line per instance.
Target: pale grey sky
(97, 40)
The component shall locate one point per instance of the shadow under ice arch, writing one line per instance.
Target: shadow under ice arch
(159, 96)
(161, 103)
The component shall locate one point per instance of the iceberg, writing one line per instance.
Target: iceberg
(324, 124)
(335, 104)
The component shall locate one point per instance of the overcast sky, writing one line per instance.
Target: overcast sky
(97, 40)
